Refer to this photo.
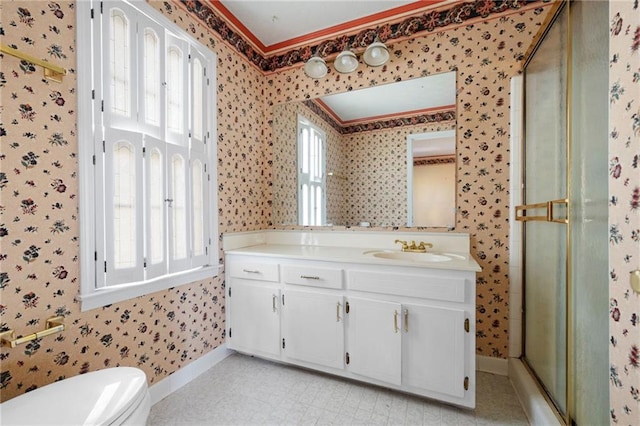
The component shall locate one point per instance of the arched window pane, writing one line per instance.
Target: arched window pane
(175, 90)
(318, 207)
(312, 206)
(124, 205)
(317, 158)
(311, 146)
(305, 151)
(198, 208)
(156, 208)
(305, 204)
(120, 67)
(151, 77)
(178, 189)
(198, 93)
(314, 156)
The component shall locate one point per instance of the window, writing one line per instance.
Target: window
(147, 103)
(311, 174)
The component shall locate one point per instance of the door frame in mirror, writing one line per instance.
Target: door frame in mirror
(410, 141)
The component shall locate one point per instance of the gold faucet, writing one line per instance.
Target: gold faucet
(420, 248)
(405, 247)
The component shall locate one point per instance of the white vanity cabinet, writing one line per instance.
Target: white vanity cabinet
(403, 327)
(313, 328)
(395, 342)
(375, 339)
(434, 336)
(312, 314)
(253, 308)
(422, 318)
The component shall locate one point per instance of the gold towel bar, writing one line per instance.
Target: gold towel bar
(54, 325)
(52, 72)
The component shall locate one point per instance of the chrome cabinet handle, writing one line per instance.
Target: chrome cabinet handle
(309, 277)
(395, 321)
(273, 301)
(338, 306)
(250, 271)
(406, 320)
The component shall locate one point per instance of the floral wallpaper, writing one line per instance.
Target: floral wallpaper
(39, 230)
(162, 332)
(624, 211)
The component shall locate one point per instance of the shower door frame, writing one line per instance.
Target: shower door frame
(565, 418)
(581, 62)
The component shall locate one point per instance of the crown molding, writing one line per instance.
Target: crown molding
(450, 16)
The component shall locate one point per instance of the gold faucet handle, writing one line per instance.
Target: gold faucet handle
(423, 245)
(404, 244)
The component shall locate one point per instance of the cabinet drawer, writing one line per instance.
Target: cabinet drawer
(312, 276)
(422, 286)
(254, 271)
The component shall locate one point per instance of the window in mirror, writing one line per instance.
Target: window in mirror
(311, 174)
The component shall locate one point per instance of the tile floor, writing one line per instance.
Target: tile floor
(242, 390)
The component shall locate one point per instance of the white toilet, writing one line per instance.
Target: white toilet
(113, 396)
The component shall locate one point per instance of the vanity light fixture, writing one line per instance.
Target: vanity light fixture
(376, 54)
(346, 62)
(315, 67)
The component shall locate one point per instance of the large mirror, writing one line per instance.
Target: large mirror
(352, 158)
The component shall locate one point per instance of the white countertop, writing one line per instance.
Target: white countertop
(460, 261)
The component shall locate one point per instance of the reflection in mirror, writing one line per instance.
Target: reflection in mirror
(431, 179)
(365, 149)
(312, 209)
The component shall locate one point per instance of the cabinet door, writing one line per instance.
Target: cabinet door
(254, 317)
(374, 339)
(313, 328)
(433, 349)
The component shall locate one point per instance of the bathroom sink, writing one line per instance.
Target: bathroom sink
(413, 257)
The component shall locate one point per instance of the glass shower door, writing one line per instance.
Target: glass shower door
(566, 240)
(544, 214)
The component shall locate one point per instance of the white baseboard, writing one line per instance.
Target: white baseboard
(535, 406)
(178, 379)
(492, 365)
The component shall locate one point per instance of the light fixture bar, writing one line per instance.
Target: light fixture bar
(375, 55)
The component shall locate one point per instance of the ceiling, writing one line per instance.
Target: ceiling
(276, 25)
(426, 145)
(414, 96)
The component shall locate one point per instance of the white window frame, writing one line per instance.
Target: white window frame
(310, 181)
(96, 290)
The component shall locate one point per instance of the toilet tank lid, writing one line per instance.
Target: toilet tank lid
(96, 398)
